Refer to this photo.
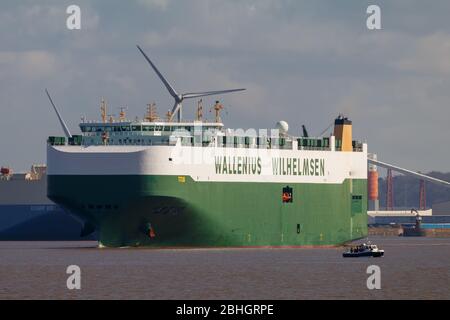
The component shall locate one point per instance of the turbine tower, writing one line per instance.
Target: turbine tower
(177, 108)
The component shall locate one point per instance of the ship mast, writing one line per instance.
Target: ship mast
(103, 110)
(200, 110)
(61, 120)
(169, 116)
(152, 115)
(122, 114)
(217, 108)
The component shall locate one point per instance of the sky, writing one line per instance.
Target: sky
(301, 61)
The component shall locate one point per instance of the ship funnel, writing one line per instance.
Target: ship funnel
(343, 132)
(177, 108)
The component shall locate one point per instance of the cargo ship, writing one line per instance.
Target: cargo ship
(25, 211)
(177, 183)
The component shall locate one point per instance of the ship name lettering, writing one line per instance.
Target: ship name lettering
(238, 165)
(298, 167)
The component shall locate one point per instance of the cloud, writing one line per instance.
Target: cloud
(33, 64)
(429, 54)
(154, 4)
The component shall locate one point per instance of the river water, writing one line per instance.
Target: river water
(413, 268)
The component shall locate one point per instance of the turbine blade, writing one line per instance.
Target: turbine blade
(63, 124)
(208, 93)
(175, 109)
(171, 90)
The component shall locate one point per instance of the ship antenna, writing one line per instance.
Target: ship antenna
(63, 124)
(177, 108)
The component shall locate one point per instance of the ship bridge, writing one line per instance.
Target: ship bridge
(146, 133)
(147, 128)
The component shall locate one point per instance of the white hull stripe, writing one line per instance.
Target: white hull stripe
(210, 164)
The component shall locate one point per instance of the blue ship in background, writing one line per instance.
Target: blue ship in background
(27, 214)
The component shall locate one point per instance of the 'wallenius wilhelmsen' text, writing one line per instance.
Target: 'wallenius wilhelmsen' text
(280, 166)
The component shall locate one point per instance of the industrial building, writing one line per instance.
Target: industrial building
(439, 213)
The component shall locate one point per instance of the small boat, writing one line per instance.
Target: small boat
(364, 250)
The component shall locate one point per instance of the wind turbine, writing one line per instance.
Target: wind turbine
(177, 108)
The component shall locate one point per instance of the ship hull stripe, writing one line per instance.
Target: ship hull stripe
(210, 164)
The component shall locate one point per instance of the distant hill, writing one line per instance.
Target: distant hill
(406, 190)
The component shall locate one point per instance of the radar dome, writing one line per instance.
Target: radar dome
(282, 126)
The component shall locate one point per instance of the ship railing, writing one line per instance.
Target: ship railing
(222, 142)
(56, 141)
(314, 148)
(189, 141)
(357, 146)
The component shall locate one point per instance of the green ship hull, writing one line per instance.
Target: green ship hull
(174, 211)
